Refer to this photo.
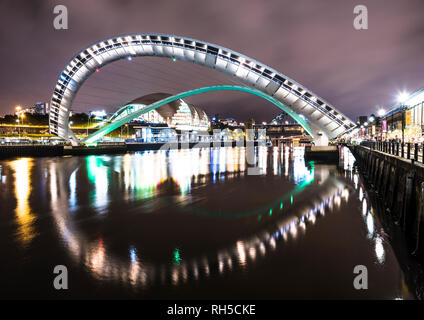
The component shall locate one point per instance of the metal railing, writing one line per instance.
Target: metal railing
(408, 150)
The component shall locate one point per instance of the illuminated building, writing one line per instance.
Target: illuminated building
(162, 124)
(177, 114)
(407, 116)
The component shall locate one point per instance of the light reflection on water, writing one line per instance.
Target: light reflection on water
(280, 221)
(142, 174)
(24, 217)
(145, 172)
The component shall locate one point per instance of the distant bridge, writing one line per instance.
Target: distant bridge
(324, 120)
(139, 111)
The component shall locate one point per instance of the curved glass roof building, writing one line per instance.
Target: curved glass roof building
(176, 114)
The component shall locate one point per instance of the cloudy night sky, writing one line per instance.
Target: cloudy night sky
(313, 42)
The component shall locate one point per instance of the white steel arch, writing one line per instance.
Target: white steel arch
(324, 119)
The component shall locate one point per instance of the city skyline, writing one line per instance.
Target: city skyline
(355, 75)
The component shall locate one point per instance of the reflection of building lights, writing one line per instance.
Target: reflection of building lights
(370, 225)
(24, 217)
(195, 271)
(175, 276)
(73, 190)
(206, 267)
(262, 249)
(379, 250)
(337, 201)
(133, 254)
(364, 207)
(272, 243)
(97, 259)
(345, 194)
(252, 253)
(241, 253)
(138, 274)
(229, 263)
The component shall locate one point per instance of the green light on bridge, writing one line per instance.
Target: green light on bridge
(116, 124)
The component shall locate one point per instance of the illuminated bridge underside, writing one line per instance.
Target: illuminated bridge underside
(324, 119)
(135, 114)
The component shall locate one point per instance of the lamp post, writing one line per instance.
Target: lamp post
(371, 119)
(403, 123)
(381, 114)
(19, 129)
(18, 109)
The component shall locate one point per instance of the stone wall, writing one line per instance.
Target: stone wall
(399, 183)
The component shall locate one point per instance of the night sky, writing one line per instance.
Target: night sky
(311, 41)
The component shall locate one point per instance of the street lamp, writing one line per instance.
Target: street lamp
(402, 97)
(381, 112)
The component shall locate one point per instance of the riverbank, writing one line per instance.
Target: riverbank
(399, 183)
(10, 151)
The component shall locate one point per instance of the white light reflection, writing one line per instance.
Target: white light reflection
(24, 217)
(275, 155)
(103, 263)
(364, 207)
(379, 250)
(370, 225)
(73, 190)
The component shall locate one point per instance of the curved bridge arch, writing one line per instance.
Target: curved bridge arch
(114, 125)
(325, 121)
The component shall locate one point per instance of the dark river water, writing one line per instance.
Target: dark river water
(193, 224)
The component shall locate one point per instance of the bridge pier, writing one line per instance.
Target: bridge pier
(320, 139)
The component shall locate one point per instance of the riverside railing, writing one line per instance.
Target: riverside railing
(408, 150)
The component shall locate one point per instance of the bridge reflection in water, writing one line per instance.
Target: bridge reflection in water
(182, 218)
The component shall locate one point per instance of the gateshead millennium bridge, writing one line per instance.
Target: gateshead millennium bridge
(324, 122)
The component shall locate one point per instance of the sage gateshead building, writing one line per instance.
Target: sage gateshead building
(175, 120)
